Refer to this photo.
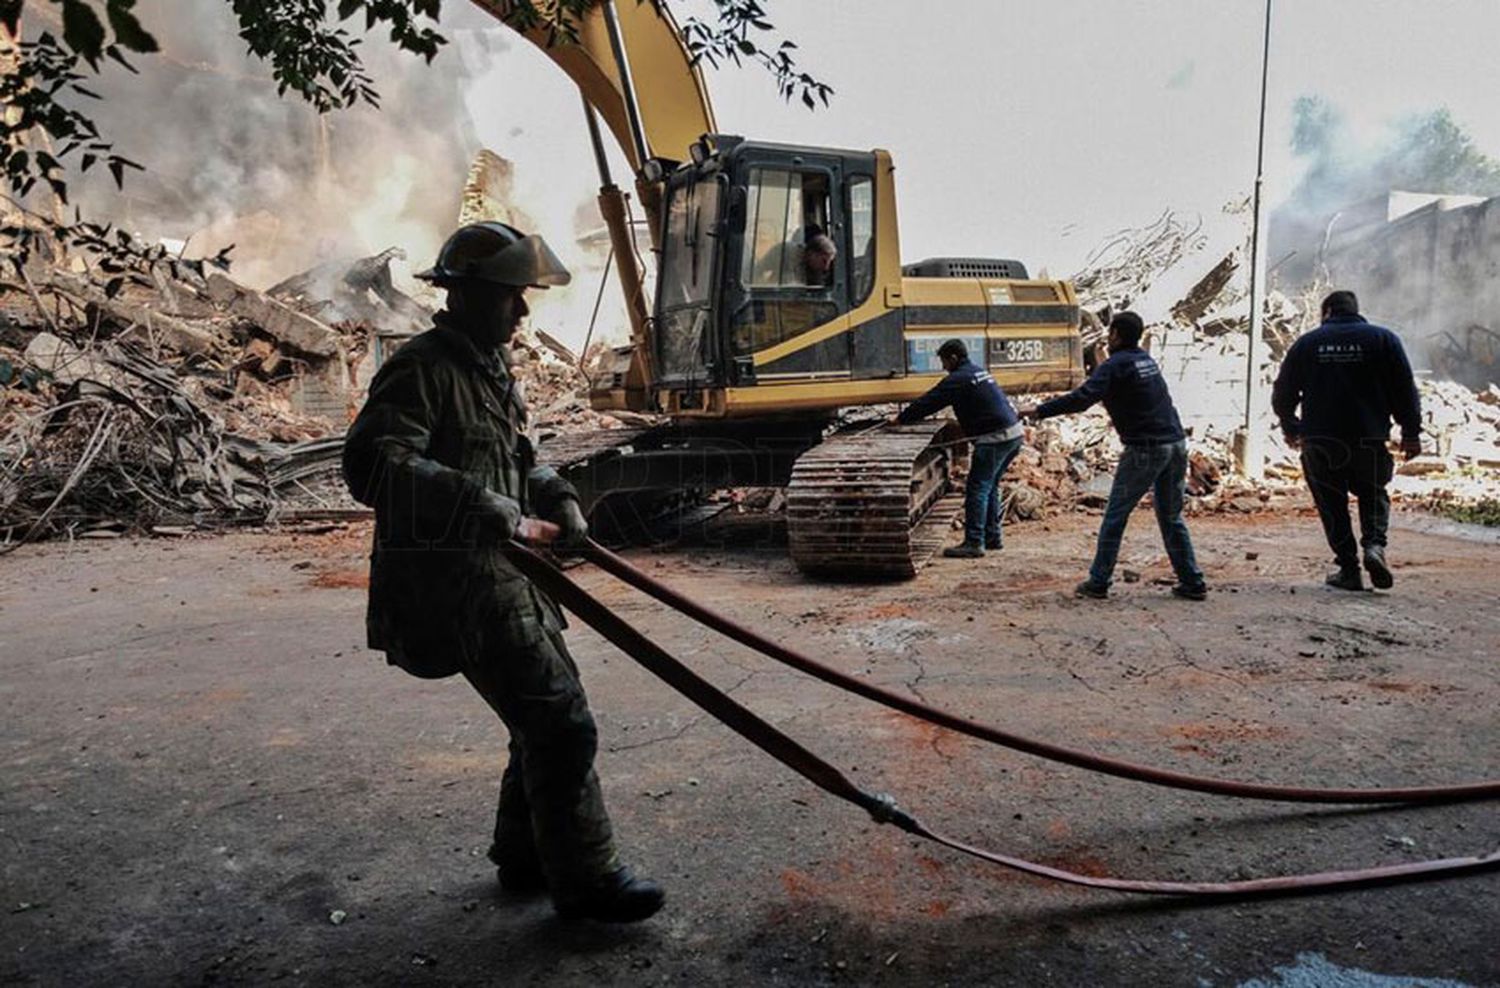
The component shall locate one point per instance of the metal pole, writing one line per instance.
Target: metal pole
(597, 141)
(1252, 450)
(627, 83)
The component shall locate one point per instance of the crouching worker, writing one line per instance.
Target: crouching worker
(990, 423)
(440, 453)
(1155, 458)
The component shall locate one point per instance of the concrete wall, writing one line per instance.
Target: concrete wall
(1433, 270)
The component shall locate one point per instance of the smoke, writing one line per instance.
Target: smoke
(1405, 217)
(1341, 165)
(230, 161)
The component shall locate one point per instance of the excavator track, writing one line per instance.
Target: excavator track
(570, 449)
(873, 503)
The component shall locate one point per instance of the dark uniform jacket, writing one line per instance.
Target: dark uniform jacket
(978, 402)
(443, 422)
(1351, 378)
(1134, 394)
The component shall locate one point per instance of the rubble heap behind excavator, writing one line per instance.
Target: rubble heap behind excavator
(748, 354)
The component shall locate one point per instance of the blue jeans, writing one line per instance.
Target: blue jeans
(982, 491)
(1161, 469)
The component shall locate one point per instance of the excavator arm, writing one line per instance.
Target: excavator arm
(670, 91)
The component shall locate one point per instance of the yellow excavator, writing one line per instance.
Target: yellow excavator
(752, 346)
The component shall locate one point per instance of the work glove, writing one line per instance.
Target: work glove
(499, 516)
(1411, 446)
(575, 528)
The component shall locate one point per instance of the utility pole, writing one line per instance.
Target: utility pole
(1252, 445)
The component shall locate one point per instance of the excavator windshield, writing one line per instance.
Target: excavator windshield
(689, 262)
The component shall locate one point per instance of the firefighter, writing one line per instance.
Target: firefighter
(440, 452)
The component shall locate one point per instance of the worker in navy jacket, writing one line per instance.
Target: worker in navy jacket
(1155, 458)
(1351, 378)
(991, 424)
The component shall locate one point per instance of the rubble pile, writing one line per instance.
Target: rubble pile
(197, 401)
(157, 407)
(1188, 284)
(555, 385)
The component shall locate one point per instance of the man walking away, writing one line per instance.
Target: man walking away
(1351, 378)
(1155, 458)
(991, 424)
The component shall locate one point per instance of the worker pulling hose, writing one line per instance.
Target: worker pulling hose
(883, 808)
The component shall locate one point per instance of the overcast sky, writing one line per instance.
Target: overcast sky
(1035, 130)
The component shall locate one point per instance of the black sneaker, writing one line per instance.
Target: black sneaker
(964, 550)
(619, 897)
(1380, 573)
(1090, 589)
(1188, 591)
(1345, 578)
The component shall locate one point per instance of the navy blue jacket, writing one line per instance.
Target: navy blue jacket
(1135, 395)
(1351, 378)
(978, 402)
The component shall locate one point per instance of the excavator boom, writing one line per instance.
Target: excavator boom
(670, 91)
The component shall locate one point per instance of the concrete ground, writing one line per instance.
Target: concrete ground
(203, 769)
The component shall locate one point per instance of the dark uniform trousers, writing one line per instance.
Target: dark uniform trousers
(551, 810)
(1337, 468)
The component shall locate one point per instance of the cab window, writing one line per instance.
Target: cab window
(784, 211)
(861, 238)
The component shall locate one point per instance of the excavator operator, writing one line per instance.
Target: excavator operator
(440, 452)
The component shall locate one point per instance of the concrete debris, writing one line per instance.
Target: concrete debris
(280, 321)
(116, 415)
(1188, 281)
(356, 290)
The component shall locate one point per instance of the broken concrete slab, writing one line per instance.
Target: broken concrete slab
(135, 320)
(281, 322)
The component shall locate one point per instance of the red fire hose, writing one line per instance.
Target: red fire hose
(619, 568)
(884, 808)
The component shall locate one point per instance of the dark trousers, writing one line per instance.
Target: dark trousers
(1335, 469)
(551, 810)
(1162, 470)
(982, 491)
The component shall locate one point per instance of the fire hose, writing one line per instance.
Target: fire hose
(884, 808)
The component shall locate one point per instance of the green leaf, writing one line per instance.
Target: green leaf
(83, 31)
(128, 30)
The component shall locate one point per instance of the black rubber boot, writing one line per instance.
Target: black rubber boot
(1345, 578)
(964, 550)
(1380, 573)
(992, 545)
(619, 897)
(518, 875)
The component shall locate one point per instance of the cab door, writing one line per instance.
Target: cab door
(775, 291)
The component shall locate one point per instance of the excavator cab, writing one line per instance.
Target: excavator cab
(741, 270)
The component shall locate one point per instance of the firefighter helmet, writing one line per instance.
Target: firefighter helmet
(497, 253)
